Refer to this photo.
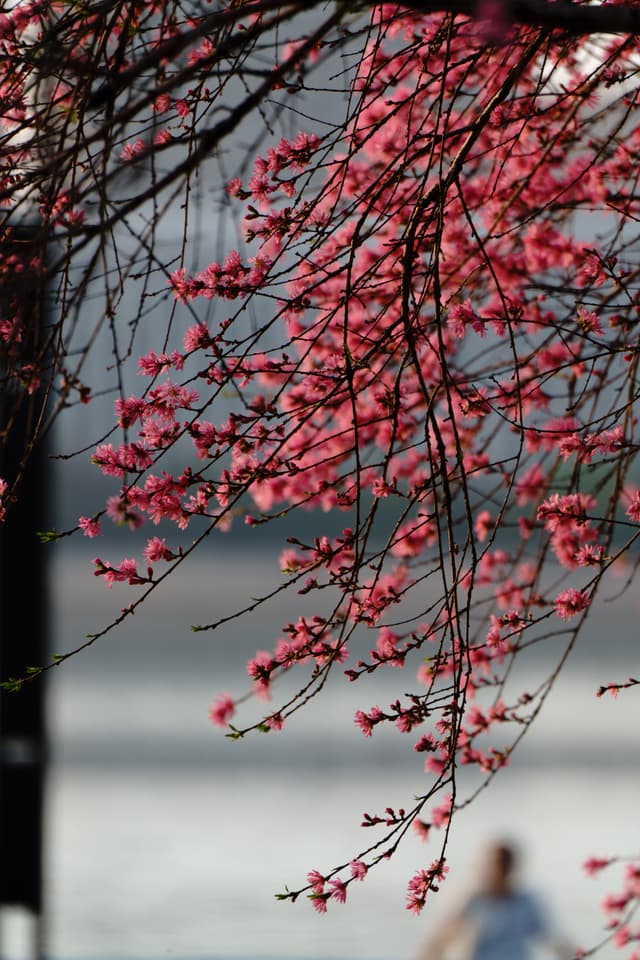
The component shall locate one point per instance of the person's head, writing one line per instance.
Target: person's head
(498, 869)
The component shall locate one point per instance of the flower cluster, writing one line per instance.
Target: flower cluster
(414, 330)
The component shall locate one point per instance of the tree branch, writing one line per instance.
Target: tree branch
(573, 18)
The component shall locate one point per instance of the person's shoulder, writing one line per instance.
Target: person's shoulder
(478, 905)
(530, 897)
(527, 898)
(525, 894)
(532, 905)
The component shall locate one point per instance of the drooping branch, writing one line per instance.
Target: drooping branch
(411, 334)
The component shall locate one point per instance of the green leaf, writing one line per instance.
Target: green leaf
(48, 536)
(12, 685)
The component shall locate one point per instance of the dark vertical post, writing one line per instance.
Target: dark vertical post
(23, 588)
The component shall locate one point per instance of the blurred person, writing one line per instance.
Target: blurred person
(499, 921)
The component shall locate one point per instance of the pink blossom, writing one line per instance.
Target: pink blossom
(162, 103)
(183, 289)
(570, 602)
(615, 903)
(483, 525)
(275, 721)
(234, 187)
(105, 457)
(196, 338)
(508, 593)
(462, 315)
(567, 510)
(358, 869)
(437, 763)
(132, 151)
(497, 712)
(130, 410)
(525, 528)
(260, 669)
(421, 828)
(426, 742)
(387, 648)
(316, 880)
(422, 882)
(291, 561)
(595, 864)
(621, 937)
(570, 445)
(632, 498)
(367, 722)
(565, 517)
(441, 815)
(589, 555)
(513, 620)
(632, 876)
(339, 891)
(222, 710)
(205, 51)
(589, 321)
(119, 509)
(414, 903)
(381, 488)
(591, 272)
(156, 549)
(127, 571)
(90, 527)
(319, 902)
(476, 718)
(407, 720)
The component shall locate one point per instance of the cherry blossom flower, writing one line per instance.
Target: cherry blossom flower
(222, 710)
(570, 602)
(316, 880)
(339, 890)
(594, 865)
(358, 869)
(89, 526)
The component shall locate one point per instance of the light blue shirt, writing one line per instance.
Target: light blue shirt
(503, 927)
